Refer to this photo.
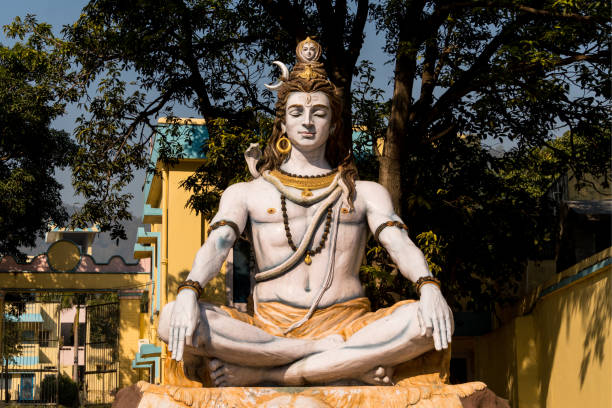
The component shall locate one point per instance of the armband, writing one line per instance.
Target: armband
(389, 224)
(191, 284)
(223, 223)
(424, 280)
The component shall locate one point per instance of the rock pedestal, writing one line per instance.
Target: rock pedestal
(145, 395)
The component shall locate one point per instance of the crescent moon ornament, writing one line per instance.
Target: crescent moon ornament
(284, 76)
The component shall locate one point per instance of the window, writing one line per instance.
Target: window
(43, 338)
(26, 389)
(67, 337)
(27, 336)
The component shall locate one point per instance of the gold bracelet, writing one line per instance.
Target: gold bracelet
(223, 223)
(389, 224)
(191, 284)
(424, 280)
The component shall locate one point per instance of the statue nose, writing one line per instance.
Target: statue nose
(307, 120)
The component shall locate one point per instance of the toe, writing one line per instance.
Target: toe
(218, 372)
(214, 364)
(219, 381)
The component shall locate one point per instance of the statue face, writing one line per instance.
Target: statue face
(308, 51)
(307, 120)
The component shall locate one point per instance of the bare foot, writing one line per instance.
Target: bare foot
(378, 376)
(224, 374)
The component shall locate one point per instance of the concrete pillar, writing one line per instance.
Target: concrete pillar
(129, 331)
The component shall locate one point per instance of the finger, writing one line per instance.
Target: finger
(449, 326)
(386, 380)
(171, 342)
(380, 371)
(181, 343)
(436, 333)
(170, 338)
(421, 322)
(219, 381)
(442, 322)
(176, 341)
(189, 337)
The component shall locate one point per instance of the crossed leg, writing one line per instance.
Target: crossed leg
(221, 336)
(386, 342)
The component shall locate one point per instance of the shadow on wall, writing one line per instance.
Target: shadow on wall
(496, 353)
(574, 319)
(214, 291)
(598, 327)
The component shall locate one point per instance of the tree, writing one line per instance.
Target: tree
(10, 342)
(498, 70)
(32, 94)
(464, 72)
(63, 390)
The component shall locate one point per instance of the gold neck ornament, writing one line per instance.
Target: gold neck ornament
(306, 184)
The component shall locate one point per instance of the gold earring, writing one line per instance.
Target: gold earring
(284, 140)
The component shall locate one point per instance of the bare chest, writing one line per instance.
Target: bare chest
(270, 207)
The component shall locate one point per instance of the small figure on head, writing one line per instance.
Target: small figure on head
(308, 51)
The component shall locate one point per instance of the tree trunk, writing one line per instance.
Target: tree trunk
(390, 161)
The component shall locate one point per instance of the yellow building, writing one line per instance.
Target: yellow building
(39, 332)
(172, 235)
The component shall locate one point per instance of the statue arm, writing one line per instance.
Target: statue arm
(434, 312)
(206, 265)
(212, 254)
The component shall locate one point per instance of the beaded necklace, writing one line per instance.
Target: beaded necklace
(309, 252)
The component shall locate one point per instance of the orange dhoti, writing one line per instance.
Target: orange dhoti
(420, 382)
(345, 319)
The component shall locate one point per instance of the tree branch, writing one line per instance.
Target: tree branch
(524, 9)
(286, 16)
(188, 56)
(465, 82)
(340, 13)
(161, 102)
(440, 134)
(356, 37)
(427, 78)
(446, 49)
(330, 31)
(601, 57)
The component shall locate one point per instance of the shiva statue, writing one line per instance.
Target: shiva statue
(309, 219)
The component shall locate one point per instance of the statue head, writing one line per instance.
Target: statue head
(307, 121)
(308, 76)
(308, 50)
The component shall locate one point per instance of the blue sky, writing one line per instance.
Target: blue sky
(62, 12)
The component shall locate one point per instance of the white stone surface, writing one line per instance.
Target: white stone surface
(244, 354)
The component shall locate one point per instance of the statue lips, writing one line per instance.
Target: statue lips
(308, 135)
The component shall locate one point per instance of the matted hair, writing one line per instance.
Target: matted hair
(338, 151)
